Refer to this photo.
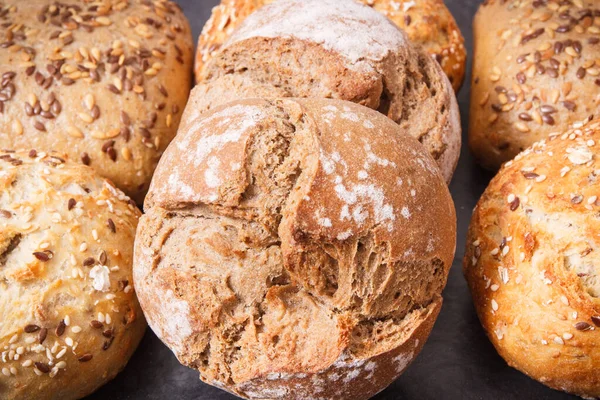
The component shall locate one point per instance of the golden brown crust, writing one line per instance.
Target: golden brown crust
(536, 71)
(69, 317)
(532, 261)
(287, 263)
(103, 84)
(428, 23)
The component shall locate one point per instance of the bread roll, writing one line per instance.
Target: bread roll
(104, 83)
(69, 318)
(337, 49)
(536, 71)
(532, 261)
(428, 23)
(294, 249)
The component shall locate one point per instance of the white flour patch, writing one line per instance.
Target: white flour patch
(353, 30)
(405, 212)
(211, 175)
(401, 361)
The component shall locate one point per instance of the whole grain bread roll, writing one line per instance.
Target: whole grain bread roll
(428, 23)
(294, 248)
(69, 317)
(536, 71)
(533, 257)
(337, 49)
(104, 83)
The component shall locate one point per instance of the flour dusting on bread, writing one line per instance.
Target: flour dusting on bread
(361, 33)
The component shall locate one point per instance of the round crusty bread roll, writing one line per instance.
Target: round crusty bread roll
(294, 249)
(69, 317)
(427, 23)
(102, 82)
(536, 71)
(532, 261)
(337, 49)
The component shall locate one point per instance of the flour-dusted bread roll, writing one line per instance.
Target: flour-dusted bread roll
(427, 23)
(337, 49)
(102, 82)
(536, 71)
(294, 249)
(533, 261)
(69, 318)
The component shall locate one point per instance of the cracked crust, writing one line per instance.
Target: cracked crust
(428, 23)
(532, 261)
(287, 49)
(279, 258)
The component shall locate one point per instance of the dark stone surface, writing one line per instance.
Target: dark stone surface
(458, 361)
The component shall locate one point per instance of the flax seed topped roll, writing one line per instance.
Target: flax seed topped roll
(69, 317)
(536, 71)
(294, 248)
(337, 49)
(104, 82)
(428, 23)
(533, 261)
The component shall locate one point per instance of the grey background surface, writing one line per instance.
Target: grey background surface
(458, 362)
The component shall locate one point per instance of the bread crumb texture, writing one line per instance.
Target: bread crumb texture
(342, 50)
(533, 260)
(69, 317)
(103, 82)
(294, 249)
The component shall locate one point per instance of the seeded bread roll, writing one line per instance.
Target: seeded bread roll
(536, 71)
(294, 249)
(104, 83)
(533, 261)
(427, 23)
(69, 318)
(337, 49)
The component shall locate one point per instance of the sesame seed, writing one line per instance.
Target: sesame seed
(567, 336)
(61, 353)
(494, 305)
(558, 340)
